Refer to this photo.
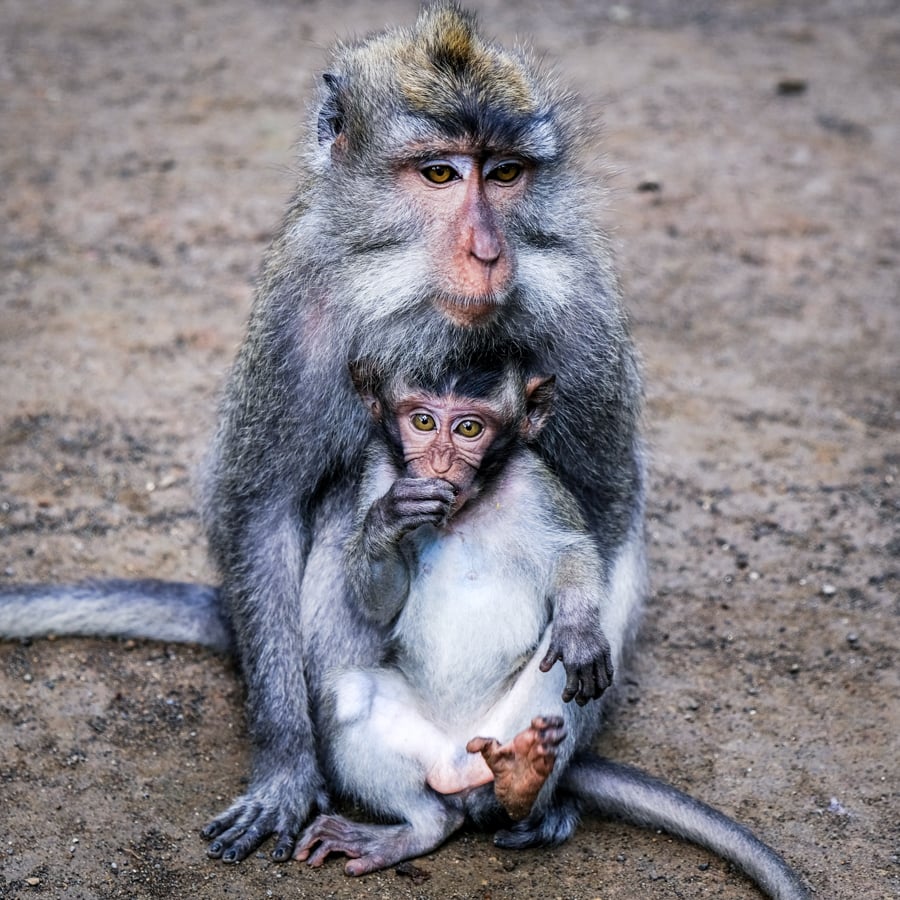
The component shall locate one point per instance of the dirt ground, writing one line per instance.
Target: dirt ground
(145, 158)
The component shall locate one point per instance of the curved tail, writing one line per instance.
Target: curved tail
(144, 608)
(622, 792)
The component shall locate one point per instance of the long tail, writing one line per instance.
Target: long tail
(146, 608)
(622, 792)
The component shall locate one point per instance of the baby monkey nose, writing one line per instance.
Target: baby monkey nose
(441, 461)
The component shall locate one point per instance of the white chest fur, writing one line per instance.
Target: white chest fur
(468, 613)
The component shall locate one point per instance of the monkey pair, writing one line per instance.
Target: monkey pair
(442, 216)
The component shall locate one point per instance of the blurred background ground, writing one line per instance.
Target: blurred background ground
(145, 157)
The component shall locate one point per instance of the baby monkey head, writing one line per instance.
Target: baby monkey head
(462, 427)
(445, 436)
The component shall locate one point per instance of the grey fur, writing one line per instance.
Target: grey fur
(626, 793)
(466, 638)
(156, 610)
(467, 624)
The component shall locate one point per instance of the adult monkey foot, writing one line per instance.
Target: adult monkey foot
(523, 765)
(277, 806)
(368, 847)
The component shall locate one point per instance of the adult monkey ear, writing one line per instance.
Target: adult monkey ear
(367, 381)
(540, 391)
(330, 127)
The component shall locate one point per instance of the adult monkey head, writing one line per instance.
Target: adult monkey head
(441, 194)
(439, 218)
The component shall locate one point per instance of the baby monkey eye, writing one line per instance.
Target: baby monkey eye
(423, 422)
(469, 428)
(506, 172)
(439, 173)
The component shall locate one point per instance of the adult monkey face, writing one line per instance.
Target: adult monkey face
(442, 161)
(466, 202)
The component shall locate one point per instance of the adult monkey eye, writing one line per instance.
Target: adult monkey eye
(423, 422)
(506, 172)
(469, 428)
(439, 173)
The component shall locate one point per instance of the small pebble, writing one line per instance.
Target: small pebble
(791, 87)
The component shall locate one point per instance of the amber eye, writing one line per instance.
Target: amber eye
(423, 422)
(469, 428)
(439, 173)
(506, 172)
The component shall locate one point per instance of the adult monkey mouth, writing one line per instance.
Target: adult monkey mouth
(468, 312)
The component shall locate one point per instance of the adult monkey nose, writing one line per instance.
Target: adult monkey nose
(484, 242)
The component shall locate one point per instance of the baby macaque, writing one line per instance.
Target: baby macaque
(477, 564)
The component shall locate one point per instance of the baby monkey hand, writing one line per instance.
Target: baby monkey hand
(586, 657)
(410, 503)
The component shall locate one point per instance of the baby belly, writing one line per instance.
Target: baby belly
(463, 645)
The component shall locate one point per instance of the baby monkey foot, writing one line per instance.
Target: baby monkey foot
(523, 765)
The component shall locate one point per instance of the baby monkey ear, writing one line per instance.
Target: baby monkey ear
(367, 381)
(540, 391)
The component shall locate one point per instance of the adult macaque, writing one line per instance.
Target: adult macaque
(440, 213)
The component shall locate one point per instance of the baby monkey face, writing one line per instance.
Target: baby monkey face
(446, 437)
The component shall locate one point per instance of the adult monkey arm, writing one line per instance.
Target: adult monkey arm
(436, 218)
(260, 535)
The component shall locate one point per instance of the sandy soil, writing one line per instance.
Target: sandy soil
(145, 156)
